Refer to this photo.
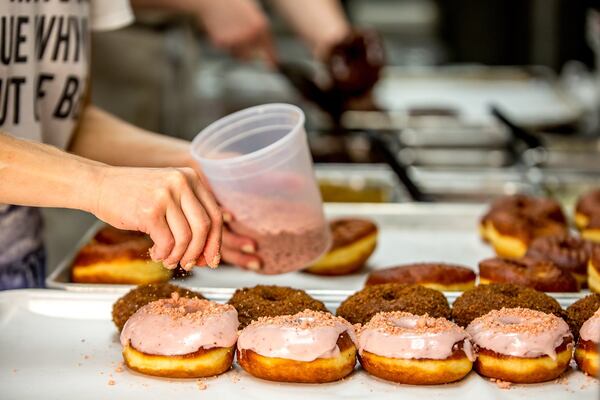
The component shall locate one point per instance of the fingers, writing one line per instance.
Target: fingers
(241, 243)
(240, 259)
(212, 246)
(199, 223)
(181, 232)
(162, 238)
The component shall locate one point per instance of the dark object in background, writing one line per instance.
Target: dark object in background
(355, 63)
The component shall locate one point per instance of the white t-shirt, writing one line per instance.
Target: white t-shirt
(44, 63)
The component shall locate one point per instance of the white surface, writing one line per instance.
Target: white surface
(63, 345)
(526, 101)
(407, 233)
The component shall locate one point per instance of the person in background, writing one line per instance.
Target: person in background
(58, 150)
(164, 42)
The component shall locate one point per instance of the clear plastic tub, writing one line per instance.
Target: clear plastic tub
(259, 166)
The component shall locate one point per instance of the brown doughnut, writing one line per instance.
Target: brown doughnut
(513, 222)
(112, 235)
(580, 311)
(439, 276)
(271, 301)
(363, 305)
(587, 206)
(138, 297)
(568, 252)
(353, 242)
(542, 275)
(485, 298)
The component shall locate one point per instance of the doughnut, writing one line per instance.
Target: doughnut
(484, 298)
(271, 301)
(363, 305)
(567, 252)
(513, 222)
(354, 240)
(415, 350)
(580, 311)
(438, 276)
(594, 271)
(520, 345)
(586, 352)
(542, 275)
(138, 297)
(118, 257)
(306, 347)
(587, 215)
(180, 338)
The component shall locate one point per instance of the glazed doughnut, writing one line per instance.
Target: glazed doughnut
(587, 215)
(138, 297)
(513, 222)
(180, 338)
(594, 271)
(484, 298)
(354, 240)
(438, 276)
(415, 350)
(363, 305)
(271, 301)
(520, 345)
(111, 235)
(307, 347)
(580, 311)
(567, 252)
(586, 353)
(542, 275)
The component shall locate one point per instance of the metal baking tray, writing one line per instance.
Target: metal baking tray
(442, 184)
(408, 233)
(63, 345)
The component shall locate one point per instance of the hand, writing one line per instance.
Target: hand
(239, 250)
(171, 205)
(238, 26)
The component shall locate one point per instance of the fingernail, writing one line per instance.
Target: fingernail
(169, 266)
(189, 265)
(215, 261)
(248, 249)
(253, 265)
(227, 217)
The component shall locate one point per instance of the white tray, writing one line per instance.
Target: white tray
(63, 345)
(407, 233)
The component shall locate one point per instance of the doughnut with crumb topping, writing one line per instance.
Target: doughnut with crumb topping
(542, 275)
(415, 350)
(354, 240)
(270, 301)
(180, 338)
(363, 305)
(513, 222)
(484, 298)
(138, 297)
(438, 276)
(580, 311)
(307, 347)
(520, 345)
(587, 215)
(586, 353)
(568, 252)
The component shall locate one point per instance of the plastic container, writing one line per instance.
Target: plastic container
(259, 166)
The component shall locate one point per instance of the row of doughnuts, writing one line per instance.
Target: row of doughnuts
(532, 237)
(402, 333)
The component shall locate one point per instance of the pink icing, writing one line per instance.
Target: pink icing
(407, 336)
(519, 332)
(305, 336)
(590, 330)
(180, 326)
